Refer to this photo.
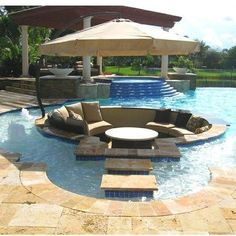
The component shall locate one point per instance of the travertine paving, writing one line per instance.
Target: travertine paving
(31, 204)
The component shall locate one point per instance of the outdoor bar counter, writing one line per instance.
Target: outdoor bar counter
(59, 87)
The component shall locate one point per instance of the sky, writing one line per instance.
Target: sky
(211, 21)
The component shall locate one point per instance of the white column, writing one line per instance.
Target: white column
(164, 66)
(86, 59)
(164, 62)
(25, 51)
(99, 62)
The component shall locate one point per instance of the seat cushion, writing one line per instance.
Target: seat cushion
(176, 131)
(76, 108)
(92, 112)
(159, 127)
(98, 127)
(162, 115)
(182, 119)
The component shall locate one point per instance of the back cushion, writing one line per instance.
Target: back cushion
(194, 123)
(173, 116)
(163, 115)
(63, 112)
(74, 115)
(92, 112)
(55, 118)
(76, 108)
(182, 119)
(202, 129)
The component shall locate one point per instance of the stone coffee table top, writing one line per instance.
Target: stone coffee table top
(131, 134)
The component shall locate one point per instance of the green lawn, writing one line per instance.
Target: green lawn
(216, 74)
(201, 74)
(128, 71)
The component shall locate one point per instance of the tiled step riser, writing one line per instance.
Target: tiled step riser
(125, 172)
(102, 158)
(129, 186)
(128, 194)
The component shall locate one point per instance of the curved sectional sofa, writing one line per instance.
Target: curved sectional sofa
(88, 118)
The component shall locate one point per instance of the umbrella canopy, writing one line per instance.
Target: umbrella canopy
(120, 37)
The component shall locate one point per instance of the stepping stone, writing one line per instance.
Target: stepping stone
(128, 166)
(10, 156)
(90, 149)
(167, 149)
(127, 186)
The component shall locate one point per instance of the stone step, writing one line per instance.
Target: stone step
(20, 90)
(127, 166)
(28, 86)
(129, 185)
(23, 85)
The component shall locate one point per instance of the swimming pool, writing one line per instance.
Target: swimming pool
(190, 174)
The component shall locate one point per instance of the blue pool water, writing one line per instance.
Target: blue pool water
(18, 134)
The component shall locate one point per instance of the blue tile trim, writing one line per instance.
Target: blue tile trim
(90, 158)
(128, 194)
(164, 159)
(127, 172)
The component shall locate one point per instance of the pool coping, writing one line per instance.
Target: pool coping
(34, 178)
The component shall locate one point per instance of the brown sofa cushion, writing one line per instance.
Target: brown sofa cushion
(55, 119)
(98, 127)
(202, 129)
(159, 127)
(176, 131)
(74, 115)
(92, 112)
(76, 108)
(194, 123)
(162, 116)
(63, 112)
(182, 119)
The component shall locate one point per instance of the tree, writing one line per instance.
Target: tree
(231, 58)
(213, 59)
(199, 57)
(10, 43)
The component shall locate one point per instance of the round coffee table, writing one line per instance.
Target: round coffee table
(131, 137)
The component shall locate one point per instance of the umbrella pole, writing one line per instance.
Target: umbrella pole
(37, 83)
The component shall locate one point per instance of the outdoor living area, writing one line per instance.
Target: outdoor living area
(139, 157)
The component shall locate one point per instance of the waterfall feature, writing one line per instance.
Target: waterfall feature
(144, 88)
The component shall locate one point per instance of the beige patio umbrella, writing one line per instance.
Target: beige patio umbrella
(120, 37)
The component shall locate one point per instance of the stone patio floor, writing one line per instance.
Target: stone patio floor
(31, 204)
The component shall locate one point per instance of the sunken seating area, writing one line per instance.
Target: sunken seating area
(89, 119)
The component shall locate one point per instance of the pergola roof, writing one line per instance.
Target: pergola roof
(64, 17)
